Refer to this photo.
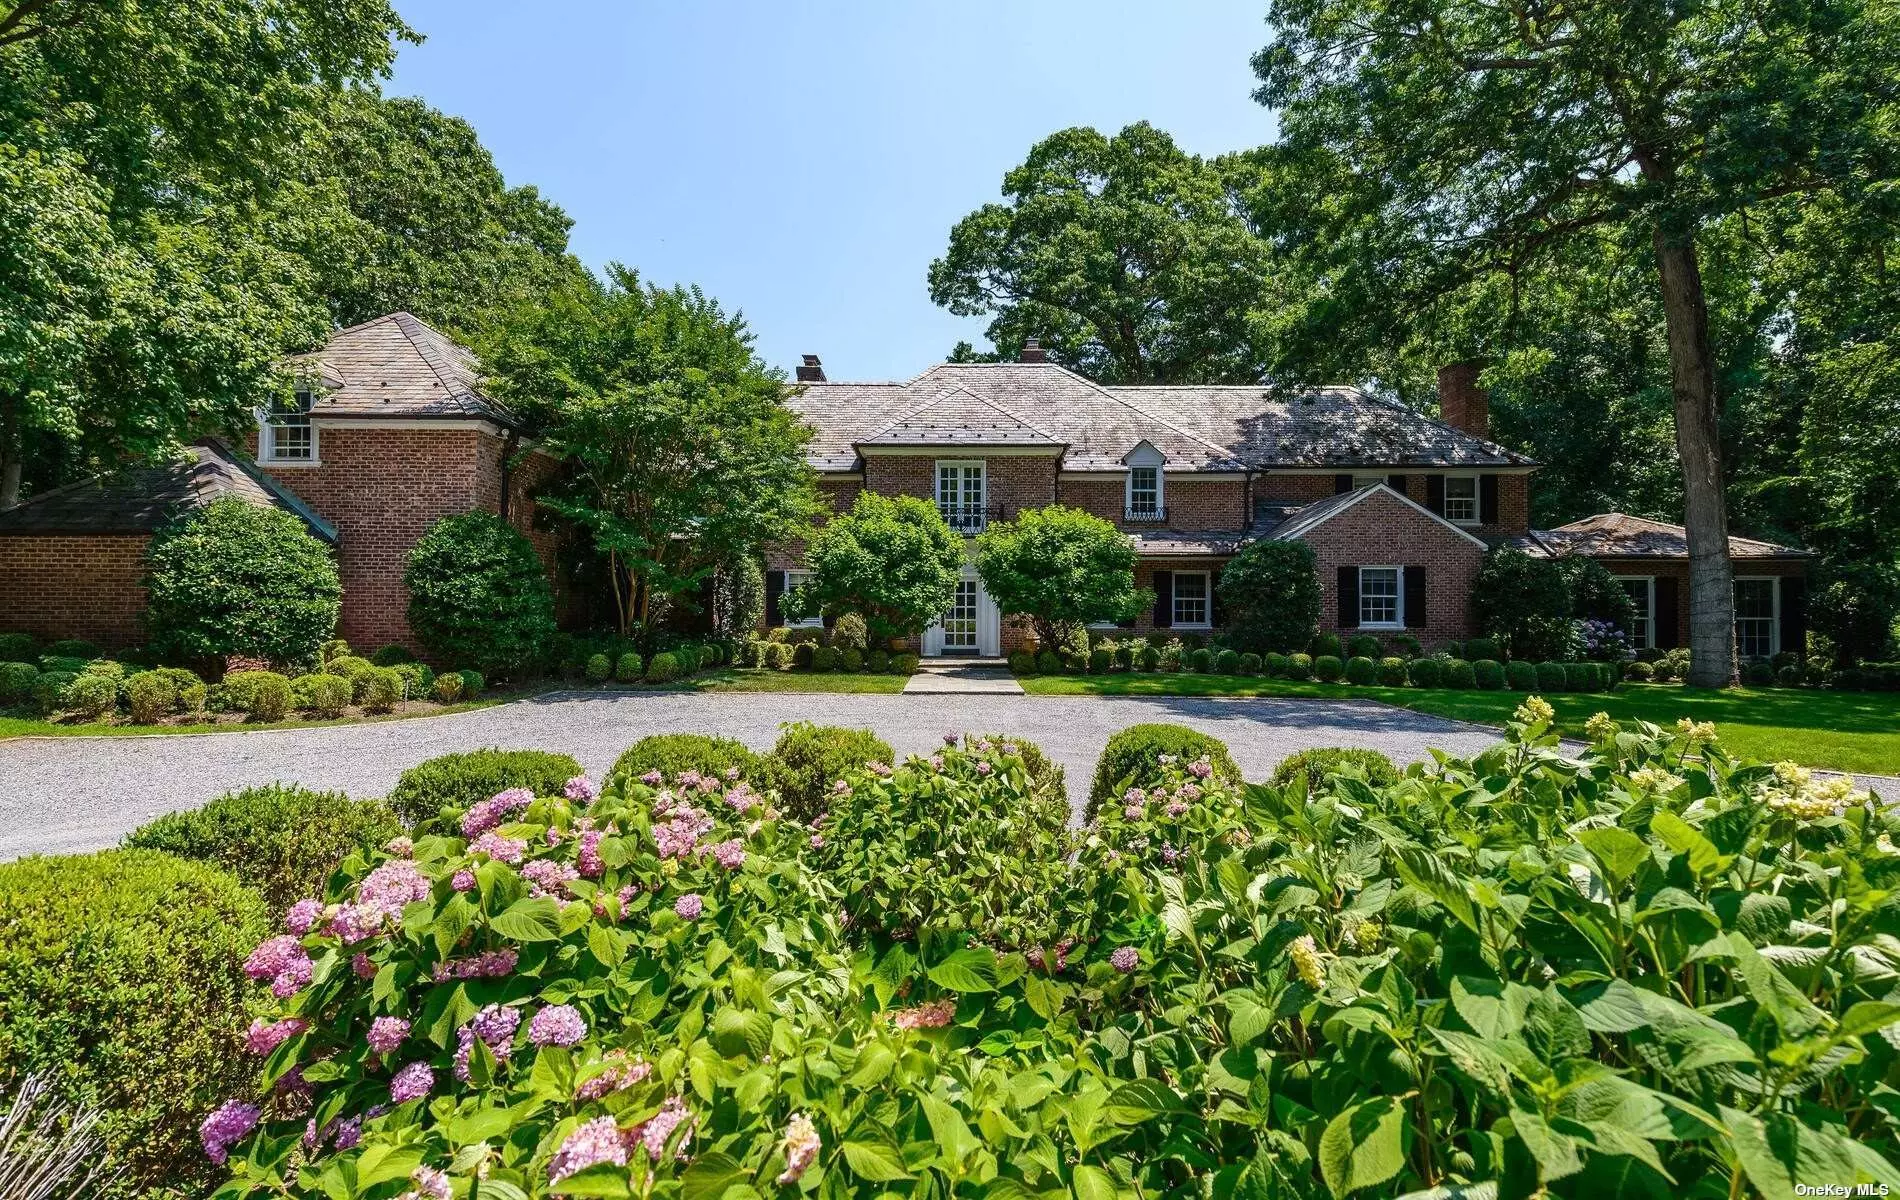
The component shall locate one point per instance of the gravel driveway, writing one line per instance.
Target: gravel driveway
(69, 794)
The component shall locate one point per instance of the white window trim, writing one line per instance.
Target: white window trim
(1128, 492)
(1774, 617)
(1477, 500)
(802, 574)
(267, 444)
(983, 496)
(1207, 601)
(1649, 585)
(1361, 479)
(1398, 598)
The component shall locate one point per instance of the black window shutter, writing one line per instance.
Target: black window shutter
(1396, 483)
(1435, 493)
(774, 588)
(1349, 597)
(1663, 620)
(1342, 483)
(1164, 600)
(1415, 598)
(1794, 614)
(1487, 500)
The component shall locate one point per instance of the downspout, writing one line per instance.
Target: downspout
(507, 464)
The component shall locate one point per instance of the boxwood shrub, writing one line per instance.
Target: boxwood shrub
(448, 687)
(49, 690)
(672, 753)
(1360, 670)
(1049, 662)
(1639, 671)
(124, 986)
(380, 690)
(1425, 672)
(878, 661)
(1250, 663)
(1460, 674)
(16, 682)
(600, 668)
(1151, 657)
(93, 695)
(1392, 671)
(824, 658)
(1130, 759)
(455, 781)
(1227, 662)
(473, 684)
(18, 647)
(1322, 762)
(1327, 668)
(1022, 663)
(321, 693)
(1551, 677)
(1489, 674)
(479, 596)
(1483, 647)
(1275, 665)
(1299, 666)
(281, 839)
(905, 663)
(665, 666)
(809, 759)
(1364, 645)
(802, 656)
(1325, 643)
(629, 667)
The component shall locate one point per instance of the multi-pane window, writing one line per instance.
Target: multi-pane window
(1144, 493)
(1461, 498)
(1379, 596)
(284, 432)
(960, 495)
(1642, 594)
(792, 580)
(1190, 598)
(1755, 617)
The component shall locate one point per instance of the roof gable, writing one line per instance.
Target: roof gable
(959, 417)
(1307, 519)
(1620, 535)
(399, 366)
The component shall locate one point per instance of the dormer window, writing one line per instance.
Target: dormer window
(1144, 500)
(284, 431)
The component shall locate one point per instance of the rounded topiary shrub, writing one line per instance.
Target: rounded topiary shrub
(850, 632)
(1489, 674)
(1788, 676)
(150, 696)
(1483, 647)
(92, 695)
(392, 654)
(1200, 661)
(1364, 645)
(1101, 661)
(18, 647)
(1227, 662)
(1275, 665)
(1150, 658)
(1405, 646)
(1049, 662)
(1022, 663)
(349, 667)
(455, 781)
(323, 694)
(1459, 674)
(600, 668)
(1758, 674)
(629, 667)
(49, 690)
(381, 690)
(1361, 670)
(1299, 666)
(665, 667)
(74, 648)
(1425, 672)
(1392, 671)
(1321, 763)
(280, 839)
(878, 662)
(448, 687)
(1131, 759)
(672, 753)
(780, 656)
(472, 684)
(240, 579)
(261, 695)
(824, 658)
(1325, 643)
(905, 663)
(851, 659)
(802, 656)
(1551, 677)
(1251, 663)
(16, 682)
(809, 759)
(478, 595)
(124, 985)
(1521, 675)
(1639, 671)
(1327, 668)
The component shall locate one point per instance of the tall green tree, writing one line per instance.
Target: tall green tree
(1063, 568)
(891, 559)
(1456, 139)
(683, 453)
(140, 142)
(1125, 255)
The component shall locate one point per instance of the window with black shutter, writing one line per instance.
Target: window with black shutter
(1164, 599)
(1435, 493)
(1488, 500)
(1349, 597)
(1668, 636)
(774, 588)
(1396, 483)
(1341, 484)
(1415, 612)
(1794, 614)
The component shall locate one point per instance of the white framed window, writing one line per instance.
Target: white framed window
(1381, 598)
(285, 433)
(1641, 590)
(961, 495)
(1359, 481)
(1144, 494)
(1191, 600)
(1757, 617)
(1461, 499)
(792, 580)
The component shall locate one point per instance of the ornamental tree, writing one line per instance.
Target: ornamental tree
(478, 594)
(1062, 568)
(1270, 591)
(1522, 602)
(241, 579)
(891, 559)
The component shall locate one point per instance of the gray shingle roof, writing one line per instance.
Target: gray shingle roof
(143, 498)
(1619, 535)
(959, 417)
(398, 366)
(1197, 428)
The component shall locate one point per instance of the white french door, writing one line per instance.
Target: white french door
(972, 624)
(959, 624)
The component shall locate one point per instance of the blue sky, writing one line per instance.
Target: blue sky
(804, 162)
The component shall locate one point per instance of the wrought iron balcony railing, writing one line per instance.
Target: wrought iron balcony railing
(1145, 513)
(969, 518)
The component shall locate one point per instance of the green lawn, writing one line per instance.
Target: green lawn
(12, 727)
(1847, 731)
(734, 679)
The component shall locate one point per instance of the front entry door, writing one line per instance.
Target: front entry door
(959, 624)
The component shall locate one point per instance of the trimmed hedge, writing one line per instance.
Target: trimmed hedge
(1325, 643)
(1459, 674)
(323, 694)
(1299, 666)
(1392, 671)
(600, 668)
(1521, 675)
(1425, 672)
(1129, 759)
(671, 753)
(1551, 677)
(1322, 762)
(124, 985)
(16, 682)
(666, 667)
(280, 839)
(1327, 668)
(1489, 674)
(808, 759)
(456, 781)
(18, 647)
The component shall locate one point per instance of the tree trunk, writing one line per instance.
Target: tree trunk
(12, 451)
(1699, 445)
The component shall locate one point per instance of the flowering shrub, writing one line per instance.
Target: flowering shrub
(671, 753)
(1137, 757)
(808, 758)
(453, 782)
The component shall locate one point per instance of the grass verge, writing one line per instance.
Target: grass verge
(1844, 731)
(736, 679)
(15, 727)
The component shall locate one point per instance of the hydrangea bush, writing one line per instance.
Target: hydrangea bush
(1642, 970)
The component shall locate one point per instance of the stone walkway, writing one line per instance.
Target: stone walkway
(66, 794)
(969, 677)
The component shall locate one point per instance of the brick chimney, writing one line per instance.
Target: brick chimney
(810, 370)
(1033, 352)
(1462, 404)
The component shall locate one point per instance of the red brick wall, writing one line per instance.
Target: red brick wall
(1015, 481)
(1380, 531)
(90, 587)
(1190, 503)
(1514, 508)
(1678, 569)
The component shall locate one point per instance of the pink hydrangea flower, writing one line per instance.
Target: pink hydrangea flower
(548, 878)
(949, 739)
(463, 880)
(1200, 768)
(581, 789)
(225, 1127)
(932, 1015)
(1177, 807)
(413, 1082)
(729, 854)
(800, 1144)
(679, 835)
(380, 899)
(495, 1026)
(689, 906)
(622, 1072)
(742, 798)
(361, 966)
(658, 1129)
(587, 857)
(265, 1036)
(431, 1184)
(302, 916)
(936, 762)
(983, 767)
(597, 1141)
(387, 1033)
(731, 773)
(879, 769)
(499, 848)
(1125, 959)
(653, 779)
(817, 841)
(283, 961)
(487, 814)
(841, 788)
(1134, 812)
(401, 847)
(557, 1025)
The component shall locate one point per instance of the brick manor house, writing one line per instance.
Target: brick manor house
(392, 431)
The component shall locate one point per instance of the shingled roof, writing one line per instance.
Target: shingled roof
(1619, 535)
(959, 417)
(141, 499)
(1198, 428)
(398, 366)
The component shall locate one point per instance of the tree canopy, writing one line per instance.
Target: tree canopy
(890, 559)
(1061, 567)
